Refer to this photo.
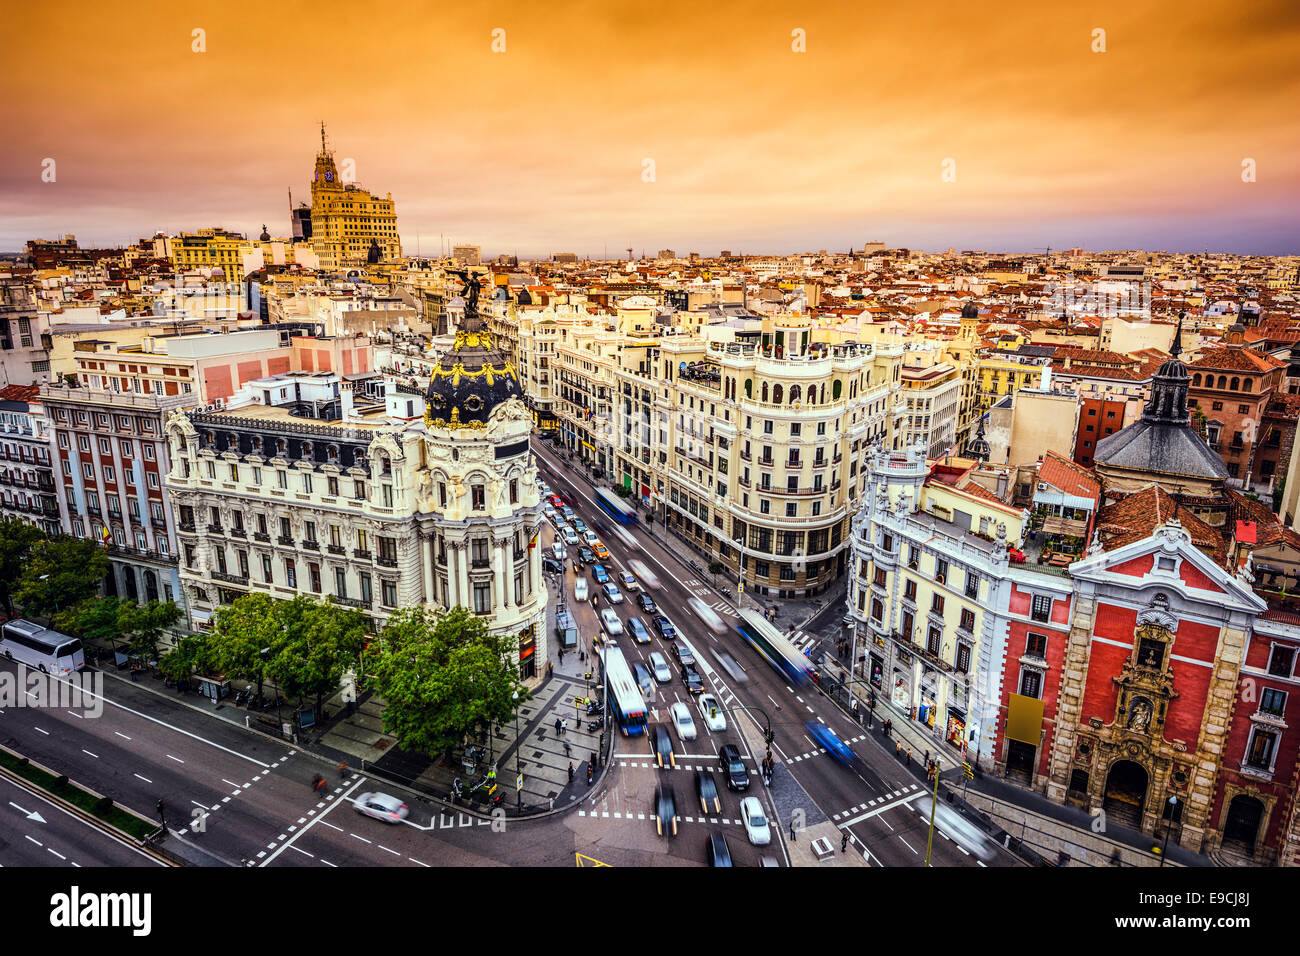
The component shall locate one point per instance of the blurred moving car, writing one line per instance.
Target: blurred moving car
(683, 721)
(709, 616)
(580, 589)
(644, 573)
(663, 745)
(610, 622)
(643, 679)
(956, 827)
(837, 748)
(381, 806)
(665, 811)
(707, 790)
(719, 854)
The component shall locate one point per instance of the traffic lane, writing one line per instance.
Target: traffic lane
(36, 831)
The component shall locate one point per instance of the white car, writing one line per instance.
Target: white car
(659, 667)
(580, 589)
(558, 550)
(381, 806)
(612, 594)
(709, 616)
(629, 581)
(550, 514)
(751, 814)
(571, 538)
(711, 710)
(683, 721)
(590, 537)
(610, 622)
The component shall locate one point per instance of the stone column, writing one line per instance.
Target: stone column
(427, 555)
(464, 595)
(500, 574)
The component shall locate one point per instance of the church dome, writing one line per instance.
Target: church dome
(970, 311)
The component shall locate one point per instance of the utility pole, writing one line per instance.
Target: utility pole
(934, 806)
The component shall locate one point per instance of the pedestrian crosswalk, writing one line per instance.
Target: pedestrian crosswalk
(803, 640)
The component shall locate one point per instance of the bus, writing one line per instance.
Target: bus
(625, 700)
(47, 651)
(772, 645)
(615, 507)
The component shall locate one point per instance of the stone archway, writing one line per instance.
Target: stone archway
(1125, 794)
(1242, 823)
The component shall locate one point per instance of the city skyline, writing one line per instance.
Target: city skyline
(543, 147)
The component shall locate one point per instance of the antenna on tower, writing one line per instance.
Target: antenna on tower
(323, 147)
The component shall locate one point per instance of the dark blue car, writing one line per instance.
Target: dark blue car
(834, 746)
(599, 573)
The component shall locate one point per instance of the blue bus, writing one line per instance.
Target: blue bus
(625, 700)
(772, 645)
(615, 507)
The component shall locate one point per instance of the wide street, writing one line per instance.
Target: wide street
(878, 801)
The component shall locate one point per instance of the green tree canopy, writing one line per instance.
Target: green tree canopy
(239, 633)
(94, 619)
(17, 538)
(145, 624)
(321, 641)
(442, 676)
(62, 572)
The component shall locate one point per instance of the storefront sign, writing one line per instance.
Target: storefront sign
(902, 694)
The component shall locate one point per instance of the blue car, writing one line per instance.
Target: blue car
(640, 633)
(665, 628)
(834, 746)
(599, 574)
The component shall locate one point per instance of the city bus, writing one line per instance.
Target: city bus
(615, 507)
(47, 651)
(625, 700)
(772, 645)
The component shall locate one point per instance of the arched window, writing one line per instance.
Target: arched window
(778, 393)
(765, 391)
(1236, 384)
(1223, 381)
(836, 389)
(1245, 385)
(749, 388)
(795, 394)
(1196, 380)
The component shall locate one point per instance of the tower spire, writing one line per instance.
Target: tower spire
(1177, 348)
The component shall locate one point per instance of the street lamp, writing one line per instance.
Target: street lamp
(519, 793)
(1173, 805)
(934, 805)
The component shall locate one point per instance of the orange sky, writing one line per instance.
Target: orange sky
(756, 148)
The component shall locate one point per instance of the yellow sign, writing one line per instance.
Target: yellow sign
(1025, 719)
(589, 446)
(582, 860)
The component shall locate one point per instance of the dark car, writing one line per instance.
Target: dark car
(684, 655)
(663, 745)
(640, 633)
(719, 855)
(691, 678)
(733, 768)
(553, 566)
(647, 603)
(707, 790)
(665, 811)
(643, 679)
(586, 555)
(598, 572)
(665, 628)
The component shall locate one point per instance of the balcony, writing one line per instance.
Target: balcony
(336, 549)
(238, 533)
(351, 602)
(261, 536)
(311, 545)
(214, 529)
(287, 542)
(230, 578)
(386, 560)
(767, 462)
(361, 554)
(186, 526)
(820, 464)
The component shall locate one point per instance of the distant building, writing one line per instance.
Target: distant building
(467, 255)
(345, 218)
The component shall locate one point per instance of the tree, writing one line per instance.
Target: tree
(94, 619)
(239, 634)
(443, 676)
(321, 642)
(17, 538)
(146, 623)
(716, 568)
(190, 655)
(62, 572)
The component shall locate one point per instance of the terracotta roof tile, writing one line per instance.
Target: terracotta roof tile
(1138, 515)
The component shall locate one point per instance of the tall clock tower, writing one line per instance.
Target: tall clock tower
(347, 220)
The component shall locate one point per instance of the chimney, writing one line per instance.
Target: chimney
(345, 394)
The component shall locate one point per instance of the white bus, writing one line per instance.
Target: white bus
(47, 651)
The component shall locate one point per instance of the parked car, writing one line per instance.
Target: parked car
(733, 768)
(665, 811)
(665, 628)
(711, 710)
(610, 622)
(612, 594)
(706, 788)
(553, 566)
(643, 679)
(647, 603)
(580, 589)
(663, 745)
(683, 721)
(719, 854)
(692, 679)
(659, 667)
(598, 572)
(628, 581)
(755, 820)
(640, 633)
(381, 806)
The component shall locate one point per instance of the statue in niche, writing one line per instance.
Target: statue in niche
(1139, 715)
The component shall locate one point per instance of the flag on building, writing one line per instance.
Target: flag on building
(533, 543)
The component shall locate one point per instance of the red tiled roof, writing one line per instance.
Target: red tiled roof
(1138, 515)
(1060, 472)
(1232, 359)
(19, 393)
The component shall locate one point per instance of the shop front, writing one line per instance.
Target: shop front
(901, 690)
(876, 671)
(527, 653)
(955, 733)
(927, 707)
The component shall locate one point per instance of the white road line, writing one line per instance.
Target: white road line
(414, 860)
(56, 853)
(315, 820)
(37, 842)
(145, 779)
(382, 847)
(361, 838)
(177, 759)
(45, 732)
(231, 783)
(303, 852)
(79, 717)
(909, 846)
(122, 735)
(85, 751)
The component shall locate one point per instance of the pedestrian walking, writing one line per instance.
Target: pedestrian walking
(570, 771)
(550, 669)
(342, 769)
(559, 727)
(898, 750)
(844, 841)
(589, 774)
(564, 728)
(927, 758)
(792, 836)
(909, 756)
(162, 813)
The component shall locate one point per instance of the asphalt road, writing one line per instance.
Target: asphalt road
(876, 800)
(36, 831)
